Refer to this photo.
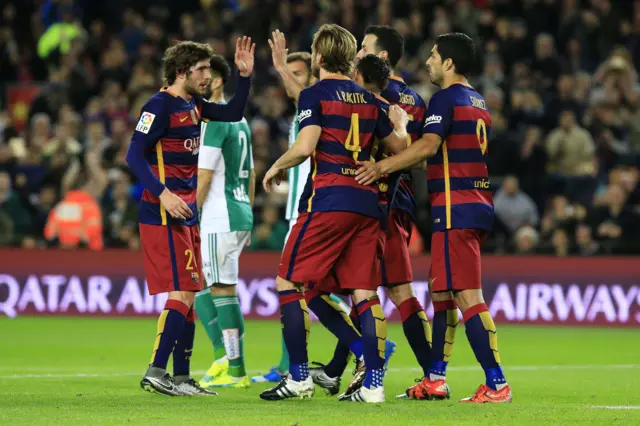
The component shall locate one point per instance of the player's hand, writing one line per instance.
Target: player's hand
(398, 117)
(273, 174)
(176, 207)
(248, 243)
(279, 51)
(368, 172)
(244, 57)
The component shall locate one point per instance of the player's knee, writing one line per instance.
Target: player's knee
(442, 296)
(223, 290)
(360, 295)
(400, 293)
(186, 297)
(465, 299)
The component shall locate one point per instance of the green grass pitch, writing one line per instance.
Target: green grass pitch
(86, 371)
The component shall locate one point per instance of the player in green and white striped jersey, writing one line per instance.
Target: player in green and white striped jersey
(226, 187)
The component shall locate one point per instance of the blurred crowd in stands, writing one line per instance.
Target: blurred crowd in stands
(559, 77)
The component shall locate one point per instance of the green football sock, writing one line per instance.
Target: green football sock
(232, 325)
(208, 316)
(283, 367)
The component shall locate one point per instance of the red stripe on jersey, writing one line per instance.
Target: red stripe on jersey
(417, 112)
(457, 170)
(463, 142)
(187, 195)
(173, 170)
(172, 145)
(332, 179)
(364, 111)
(182, 119)
(461, 197)
(470, 113)
(338, 135)
(147, 196)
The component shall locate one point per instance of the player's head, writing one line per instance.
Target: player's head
(452, 55)
(383, 41)
(187, 64)
(299, 63)
(220, 74)
(372, 73)
(333, 49)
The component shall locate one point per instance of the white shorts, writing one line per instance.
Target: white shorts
(220, 256)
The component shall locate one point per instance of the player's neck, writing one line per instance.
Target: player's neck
(218, 97)
(450, 80)
(326, 74)
(179, 90)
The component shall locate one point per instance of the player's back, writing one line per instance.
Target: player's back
(399, 93)
(174, 158)
(348, 116)
(458, 180)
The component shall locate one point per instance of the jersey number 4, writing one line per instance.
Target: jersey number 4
(353, 138)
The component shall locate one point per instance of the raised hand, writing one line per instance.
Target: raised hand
(279, 51)
(398, 117)
(244, 57)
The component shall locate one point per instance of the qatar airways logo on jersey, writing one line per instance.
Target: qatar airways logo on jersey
(192, 145)
(433, 119)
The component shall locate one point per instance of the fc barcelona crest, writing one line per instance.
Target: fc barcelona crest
(195, 277)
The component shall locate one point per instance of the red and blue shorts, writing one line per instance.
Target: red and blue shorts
(171, 257)
(455, 259)
(332, 251)
(396, 263)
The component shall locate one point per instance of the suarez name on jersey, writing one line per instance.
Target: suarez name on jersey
(351, 119)
(457, 176)
(399, 93)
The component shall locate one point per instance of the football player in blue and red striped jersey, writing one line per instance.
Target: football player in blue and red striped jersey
(337, 230)
(454, 140)
(164, 156)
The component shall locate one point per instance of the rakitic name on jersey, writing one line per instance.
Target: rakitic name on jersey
(351, 98)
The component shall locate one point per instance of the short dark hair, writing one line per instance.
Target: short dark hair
(181, 57)
(300, 56)
(389, 39)
(220, 67)
(374, 70)
(460, 49)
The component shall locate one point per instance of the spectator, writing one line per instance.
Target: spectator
(15, 218)
(526, 240)
(513, 207)
(612, 219)
(271, 232)
(585, 244)
(570, 148)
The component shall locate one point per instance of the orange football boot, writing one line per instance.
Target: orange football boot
(485, 394)
(429, 390)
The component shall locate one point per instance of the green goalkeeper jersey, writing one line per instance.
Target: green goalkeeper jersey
(226, 150)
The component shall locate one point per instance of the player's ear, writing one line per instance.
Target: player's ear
(383, 54)
(448, 64)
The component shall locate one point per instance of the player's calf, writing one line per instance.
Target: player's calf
(483, 338)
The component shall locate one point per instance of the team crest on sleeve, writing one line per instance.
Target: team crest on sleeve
(304, 114)
(145, 122)
(433, 119)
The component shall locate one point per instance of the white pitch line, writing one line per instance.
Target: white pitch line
(391, 370)
(617, 407)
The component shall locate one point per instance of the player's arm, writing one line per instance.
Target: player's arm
(308, 136)
(435, 126)
(279, 56)
(395, 141)
(233, 110)
(152, 124)
(212, 139)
